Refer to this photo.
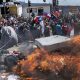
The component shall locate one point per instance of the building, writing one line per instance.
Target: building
(19, 8)
(70, 9)
(69, 6)
(13, 8)
(37, 8)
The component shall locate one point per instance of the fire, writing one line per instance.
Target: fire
(65, 65)
(76, 40)
(44, 65)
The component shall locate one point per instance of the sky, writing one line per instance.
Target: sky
(61, 2)
(69, 2)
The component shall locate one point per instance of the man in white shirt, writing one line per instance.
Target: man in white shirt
(8, 37)
(42, 26)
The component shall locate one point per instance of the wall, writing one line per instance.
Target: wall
(13, 9)
(24, 12)
(71, 9)
(47, 9)
(16, 10)
(19, 10)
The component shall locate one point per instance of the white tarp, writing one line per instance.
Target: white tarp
(52, 42)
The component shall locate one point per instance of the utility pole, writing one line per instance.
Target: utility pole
(29, 4)
(55, 4)
(4, 4)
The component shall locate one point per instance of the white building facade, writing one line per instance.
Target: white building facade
(22, 9)
(37, 9)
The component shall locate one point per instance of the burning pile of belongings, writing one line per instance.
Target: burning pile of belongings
(61, 64)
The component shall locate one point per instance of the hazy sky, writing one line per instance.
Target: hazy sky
(69, 2)
(61, 2)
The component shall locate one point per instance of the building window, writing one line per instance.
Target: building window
(32, 10)
(40, 11)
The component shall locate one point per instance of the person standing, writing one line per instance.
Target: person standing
(42, 27)
(47, 30)
(58, 29)
(8, 37)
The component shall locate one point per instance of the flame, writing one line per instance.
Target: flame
(76, 40)
(43, 61)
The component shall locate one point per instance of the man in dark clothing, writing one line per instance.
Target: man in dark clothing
(47, 30)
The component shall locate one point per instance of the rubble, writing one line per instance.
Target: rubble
(13, 77)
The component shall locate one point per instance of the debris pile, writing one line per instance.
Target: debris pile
(48, 66)
(61, 64)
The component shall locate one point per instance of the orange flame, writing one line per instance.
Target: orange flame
(44, 61)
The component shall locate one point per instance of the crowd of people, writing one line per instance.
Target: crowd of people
(14, 30)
